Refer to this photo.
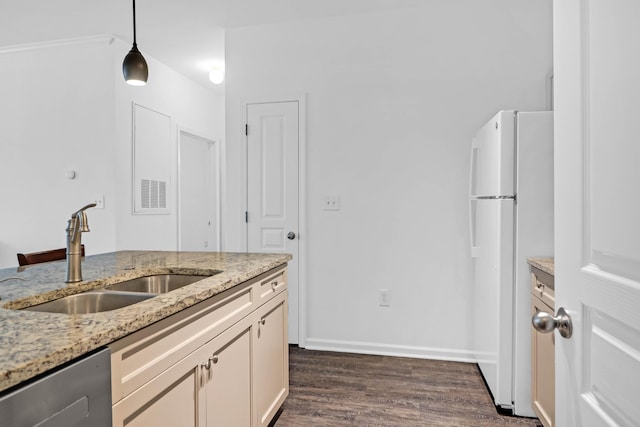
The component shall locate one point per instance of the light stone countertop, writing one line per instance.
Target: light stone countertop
(34, 342)
(545, 264)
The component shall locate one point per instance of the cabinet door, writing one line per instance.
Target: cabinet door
(170, 399)
(227, 389)
(271, 358)
(542, 369)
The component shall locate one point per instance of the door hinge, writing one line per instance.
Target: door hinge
(246, 130)
(246, 216)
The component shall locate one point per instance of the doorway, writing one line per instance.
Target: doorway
(274, 213)
(199, 193)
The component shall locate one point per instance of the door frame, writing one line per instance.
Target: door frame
(218, 145)
(302, 186)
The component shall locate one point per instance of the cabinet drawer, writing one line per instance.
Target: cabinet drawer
(542, 286)
(271, 285)
(143, 355)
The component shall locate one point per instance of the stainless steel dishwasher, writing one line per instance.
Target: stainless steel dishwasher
(76, 395)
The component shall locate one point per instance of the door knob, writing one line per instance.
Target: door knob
(291, 235)
(545, 322)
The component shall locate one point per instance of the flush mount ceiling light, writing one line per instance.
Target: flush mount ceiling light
(134, 67)
(216, 76)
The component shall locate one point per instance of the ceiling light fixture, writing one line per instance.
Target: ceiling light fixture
(134, 67)
(216, 76)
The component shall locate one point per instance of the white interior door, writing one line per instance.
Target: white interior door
(273, 189)
(597, 171)
(199, 193)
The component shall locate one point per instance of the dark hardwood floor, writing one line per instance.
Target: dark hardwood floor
(344, 389)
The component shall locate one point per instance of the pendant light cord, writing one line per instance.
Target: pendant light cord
(134, 67)
(134, 23)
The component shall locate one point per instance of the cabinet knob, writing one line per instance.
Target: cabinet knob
(214, 358)
(207, 366)
(291, 235)
(262, 321)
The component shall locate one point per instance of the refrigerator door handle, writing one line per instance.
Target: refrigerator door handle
(473, 162)
(475, 250)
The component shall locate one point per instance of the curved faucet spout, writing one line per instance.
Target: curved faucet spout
(90, 205)
(78, 222)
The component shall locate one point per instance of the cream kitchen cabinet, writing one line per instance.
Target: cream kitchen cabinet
(227, 379)
(223, 362)
(542, 350)
(271, 361)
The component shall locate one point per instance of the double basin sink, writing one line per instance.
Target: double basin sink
(118, 295)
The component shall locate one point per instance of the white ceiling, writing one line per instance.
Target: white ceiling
(187, 35)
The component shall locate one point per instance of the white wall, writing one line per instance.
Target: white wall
(65, 106)
(190, 106)
(393, 100)
(56, 114)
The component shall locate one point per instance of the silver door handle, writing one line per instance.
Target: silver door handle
(291, 235)
(545, 322)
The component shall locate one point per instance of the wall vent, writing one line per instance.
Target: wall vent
(153, 194)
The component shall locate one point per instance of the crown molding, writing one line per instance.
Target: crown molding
(105, 38)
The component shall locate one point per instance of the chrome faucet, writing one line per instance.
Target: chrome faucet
(75, 227)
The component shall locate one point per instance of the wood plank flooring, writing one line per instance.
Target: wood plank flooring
(344, 389)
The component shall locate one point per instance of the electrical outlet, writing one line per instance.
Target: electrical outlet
(332, 203)
(99, 201)
(384, 298)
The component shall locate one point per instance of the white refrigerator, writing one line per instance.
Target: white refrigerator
(511, 219)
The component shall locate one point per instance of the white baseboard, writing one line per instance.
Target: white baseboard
(390, 350)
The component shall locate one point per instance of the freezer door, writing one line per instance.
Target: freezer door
(492, 169)
(493, 298)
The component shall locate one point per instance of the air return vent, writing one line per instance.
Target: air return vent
(153, 194)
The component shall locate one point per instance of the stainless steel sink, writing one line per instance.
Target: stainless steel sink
(118, 295)
(156, 284)
(90, 302)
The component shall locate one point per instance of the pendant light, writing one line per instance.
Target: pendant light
(134, 67)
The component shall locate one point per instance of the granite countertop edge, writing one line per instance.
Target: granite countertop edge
(545, 264)
(32, 343)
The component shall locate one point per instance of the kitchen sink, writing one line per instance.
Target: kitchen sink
(119, 295)
(90, 302)
(156, 284)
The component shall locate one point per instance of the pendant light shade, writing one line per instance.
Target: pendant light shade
(134, 67)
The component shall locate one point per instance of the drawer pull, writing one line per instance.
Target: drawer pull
(207, 366)
(262, 321)
(274, 285)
